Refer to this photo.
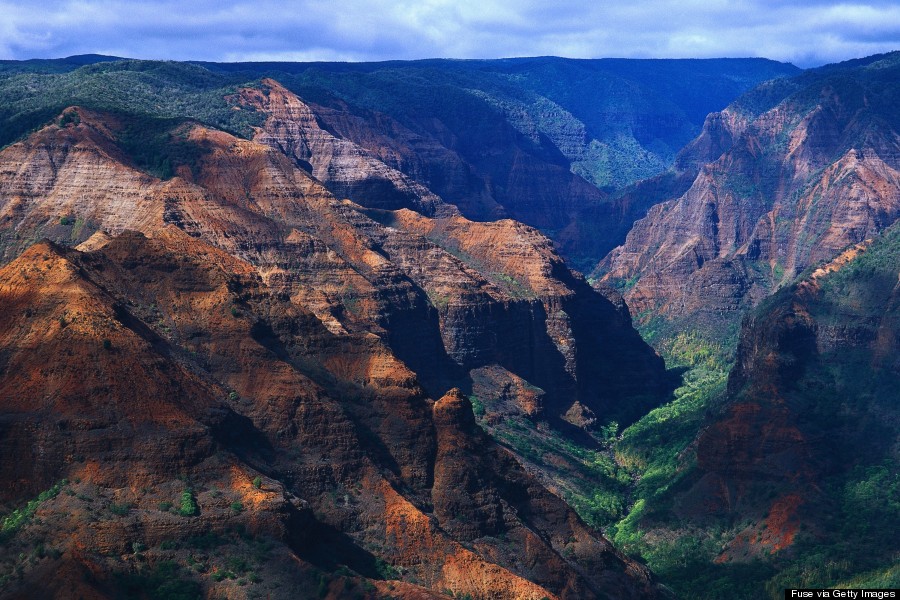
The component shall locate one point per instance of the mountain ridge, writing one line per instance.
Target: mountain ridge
(480, 135)
(275, 311)
(801, 181)
(367, 379)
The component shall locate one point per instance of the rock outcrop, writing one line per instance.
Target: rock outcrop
(515, 139)
(447, 295)
(222, 380)
(812, 404)
(239, 327)
(810, 166)
(346, 169)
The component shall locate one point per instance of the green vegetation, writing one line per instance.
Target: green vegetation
(611, 480)
(69, 117)
(159, 146)
(620, 160)
(654, 445)
(189, 506)
(156, 90)
(257, 482)
(623, 482)
(860, 542)
(165, 581)
(587, 476)
(439, 301)
(513, 286)
(19, 517)
(231, 556)
(845, 394)
(120, 509)
(657, 450)
(870, 277)
(888, 577)
(233, 568)
(205, 541)
(714, 336)
(477, 406)
(385, 570)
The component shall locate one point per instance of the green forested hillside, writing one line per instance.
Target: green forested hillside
(792, 480)
(33, 93)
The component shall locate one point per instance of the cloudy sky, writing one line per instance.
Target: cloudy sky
(805, 32)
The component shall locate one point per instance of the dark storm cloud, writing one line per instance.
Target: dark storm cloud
(802, 32)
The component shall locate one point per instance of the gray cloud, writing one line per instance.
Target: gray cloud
(803, 32)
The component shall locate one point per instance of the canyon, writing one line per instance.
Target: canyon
(771, 278)
(319, 329)
(805, 168)
(237, 322)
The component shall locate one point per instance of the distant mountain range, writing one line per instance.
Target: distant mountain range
(540, 140)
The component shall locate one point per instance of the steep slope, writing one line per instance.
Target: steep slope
(615, 121)
(353, 464)
(810, 166)
(503, 138)
(795, 477)
(282, 334)
(531, 139)
(346, 169)
(60, 326)
(816, 366)
(483, 164)
(598, 229)
(436, 291)
(67, 182)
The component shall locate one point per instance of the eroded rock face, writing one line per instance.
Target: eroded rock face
(346, 169)
(796, 184)
(472, 157)
(535, 317)
(600, 228)
(69, 182)
(244, 329)
(446, 294)
(301, 399)
(812, 396)
(485, 170)
(531, 139)
(425, 154)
